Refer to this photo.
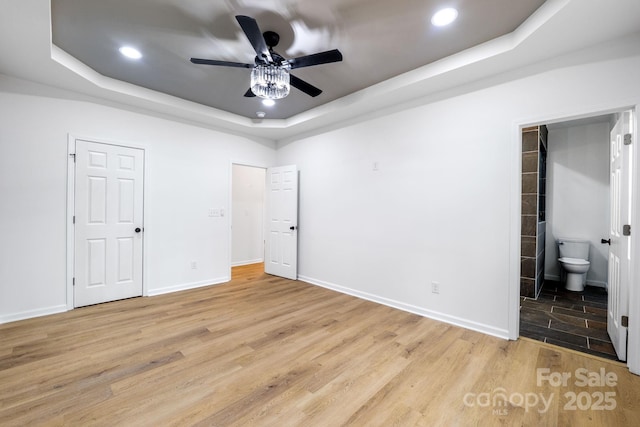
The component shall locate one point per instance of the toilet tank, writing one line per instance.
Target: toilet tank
(573, 248)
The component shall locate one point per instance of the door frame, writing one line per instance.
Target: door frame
(70, 229)
(633, 331)
(515, 173)
(251, 164)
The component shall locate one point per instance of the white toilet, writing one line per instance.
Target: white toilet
(574, 260)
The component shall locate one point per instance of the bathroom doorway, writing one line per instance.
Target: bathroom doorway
(566, 194)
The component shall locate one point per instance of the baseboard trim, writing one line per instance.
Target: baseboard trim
(14, 317)
(597, 283)
(249, 262)
(29, 314)
(187, 286)
(431, 314)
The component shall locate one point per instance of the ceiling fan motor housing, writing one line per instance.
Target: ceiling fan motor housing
(271, 38)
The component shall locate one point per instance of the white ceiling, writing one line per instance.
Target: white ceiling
(393, 57)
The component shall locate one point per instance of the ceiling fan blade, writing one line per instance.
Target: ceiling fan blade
(253, 33)
(223, 63)
(249, 94)
(316, 59)
(307, 88)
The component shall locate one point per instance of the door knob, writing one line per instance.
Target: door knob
(293, 227)
(138, 229)
(608, 241)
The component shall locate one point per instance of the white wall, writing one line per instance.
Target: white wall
(442, 206)
(578, 194)
(188, 174)
(247, 246)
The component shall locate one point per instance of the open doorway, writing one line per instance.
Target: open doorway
(247, 215)
(566, 202)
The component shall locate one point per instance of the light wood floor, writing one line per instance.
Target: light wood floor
(266, 351)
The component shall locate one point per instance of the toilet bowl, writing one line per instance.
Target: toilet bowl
(574, 263)
(576, 271)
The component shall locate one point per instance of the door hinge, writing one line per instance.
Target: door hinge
(627, 139)
(74, 219)
(74, 156)
(626, 230)
(625, 321)
(73, 281)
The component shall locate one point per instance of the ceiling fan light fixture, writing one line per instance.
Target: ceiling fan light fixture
(444, 17)
(270, 81)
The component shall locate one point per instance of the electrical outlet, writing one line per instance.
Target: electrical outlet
(435, 287)
(194, 265)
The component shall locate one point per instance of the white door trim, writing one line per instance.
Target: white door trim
(633, 332)
(515, 153)
(71, 179)
(515, 224)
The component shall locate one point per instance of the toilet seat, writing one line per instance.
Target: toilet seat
(574, 261)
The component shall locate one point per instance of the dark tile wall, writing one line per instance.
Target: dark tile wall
(533, 229)
(540, 254)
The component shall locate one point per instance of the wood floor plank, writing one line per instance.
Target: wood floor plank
(266, 351)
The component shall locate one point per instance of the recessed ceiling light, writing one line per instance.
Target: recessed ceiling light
(260, 114)
(444, 17)
(268, 102)
(130, 52)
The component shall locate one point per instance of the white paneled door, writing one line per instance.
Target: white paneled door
(620, 242)
(108, 222)
(281, 257)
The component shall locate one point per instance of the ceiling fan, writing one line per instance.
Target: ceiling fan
(270, 77)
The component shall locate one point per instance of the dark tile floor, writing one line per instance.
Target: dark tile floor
(575, 320)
